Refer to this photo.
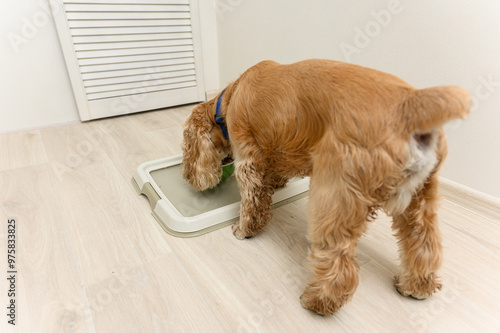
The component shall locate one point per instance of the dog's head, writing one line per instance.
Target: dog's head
(204, 147)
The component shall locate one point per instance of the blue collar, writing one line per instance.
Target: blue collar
(219, 120)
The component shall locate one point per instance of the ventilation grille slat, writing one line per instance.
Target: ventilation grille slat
(135, 58)
(121, 23)
(141, 89)
(134, 71)
(109, 68)
(127, 16)
(129, 2)
(131, 45)
(132, 51)
(125, 8)
(96, 38)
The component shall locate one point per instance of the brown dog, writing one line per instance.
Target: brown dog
(367, 139)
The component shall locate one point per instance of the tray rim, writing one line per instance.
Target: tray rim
(176, 224)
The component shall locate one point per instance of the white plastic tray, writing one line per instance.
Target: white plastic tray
(183, 212)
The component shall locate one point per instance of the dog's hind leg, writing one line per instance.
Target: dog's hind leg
(337, 218)
(256, 191)
(420, 243)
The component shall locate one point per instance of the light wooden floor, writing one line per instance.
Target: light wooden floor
(91, 258)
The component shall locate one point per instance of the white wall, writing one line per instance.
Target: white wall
(209, 41)
(34, 85)
(424, 42)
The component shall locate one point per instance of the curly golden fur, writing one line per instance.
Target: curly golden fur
(367, 139)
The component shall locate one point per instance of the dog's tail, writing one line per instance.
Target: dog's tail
(426, 109)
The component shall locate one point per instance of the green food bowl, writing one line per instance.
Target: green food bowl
(227, 169)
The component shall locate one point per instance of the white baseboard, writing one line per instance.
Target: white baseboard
(471, 199)
(35, 128)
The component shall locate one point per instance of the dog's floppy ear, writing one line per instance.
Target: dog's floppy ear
(426, 109)
(201, 160)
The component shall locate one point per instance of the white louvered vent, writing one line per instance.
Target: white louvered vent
(129, 52)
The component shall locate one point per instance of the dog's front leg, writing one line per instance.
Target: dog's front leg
(256, 197)
(420, 243)
(336, 221)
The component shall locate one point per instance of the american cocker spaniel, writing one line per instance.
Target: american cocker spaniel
(367, 139)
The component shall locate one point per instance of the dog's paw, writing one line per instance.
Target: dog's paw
(420, 288)
(238, 233)
(321, 304)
